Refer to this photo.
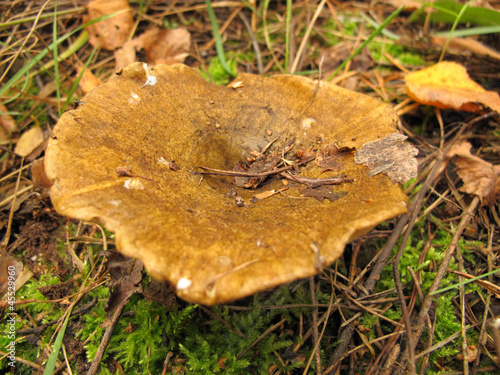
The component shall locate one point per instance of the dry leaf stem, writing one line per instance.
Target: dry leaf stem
(346, 335)
(426, 305)
(221, 172)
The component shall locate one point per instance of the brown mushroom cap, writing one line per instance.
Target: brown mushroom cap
(188, 230)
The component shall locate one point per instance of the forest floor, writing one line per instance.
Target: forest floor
(80, 307)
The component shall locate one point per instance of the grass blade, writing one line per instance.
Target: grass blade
(457, 20)
(467, 281)
(375, 32)
(287, 33)
(36, 59)
(51, 363)
(218, 40)
(470, 31)
(77, 81)
(56, 60)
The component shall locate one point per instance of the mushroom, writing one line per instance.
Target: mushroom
(168, 162)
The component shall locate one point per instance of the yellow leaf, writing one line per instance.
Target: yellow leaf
(447, 85)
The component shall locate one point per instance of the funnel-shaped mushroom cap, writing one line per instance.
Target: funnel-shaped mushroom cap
(111, 161)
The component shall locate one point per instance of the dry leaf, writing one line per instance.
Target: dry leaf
(189, 230)
(471, 353)
(8, 264)
(38, 175)
(88, 82)
(480, 177)
(447, 85)
(126, 55)
(111, 33)
(29, 141)
(7, 123)
(126, 277)
(467, 44)
(162, 47)
(408, 4)
(167, 46)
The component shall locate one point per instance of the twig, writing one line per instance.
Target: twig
(22, 360)
(315, 182)
(346, 335)
(221, 172)
(5, 241)
(488, 296)
(462, 313)
(42, 327)
(269, 330)
(426, 305)
(270, 144)
(106, 337)
(303, 43)
(315, 352)
(255, 43)
(442, 343)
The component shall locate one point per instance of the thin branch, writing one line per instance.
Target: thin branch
(221, 172)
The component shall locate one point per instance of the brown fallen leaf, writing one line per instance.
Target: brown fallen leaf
(162, 47)
(447, 85)
(480, 177)
(167, 46)
(471, 353)
(38, 175)
(111, 33)
(161, 292)
(9, 266)
(466, 44)
(127, 54)
(89, 81)
(409, 5)
(126, 277)
(29, 141)
(7, 123)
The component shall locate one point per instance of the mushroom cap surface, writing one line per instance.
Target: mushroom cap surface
(187, 229)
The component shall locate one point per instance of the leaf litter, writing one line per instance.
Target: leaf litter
(277, 187)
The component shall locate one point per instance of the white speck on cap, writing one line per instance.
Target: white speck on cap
(183, 284)
(308, 122)
(134, 98)
(151, 80)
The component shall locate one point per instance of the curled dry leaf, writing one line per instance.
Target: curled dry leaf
(111, 33)
(126, 277)
(465, 44)
(480, 177)
(29, 141)
(167, 46)
(186, 225)
(89, 81)
(7, 123)
(162, 47)
(447, 85)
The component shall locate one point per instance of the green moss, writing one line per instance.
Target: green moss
(47, 312)
(350, 27)
(402, 53)
(217, 73)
